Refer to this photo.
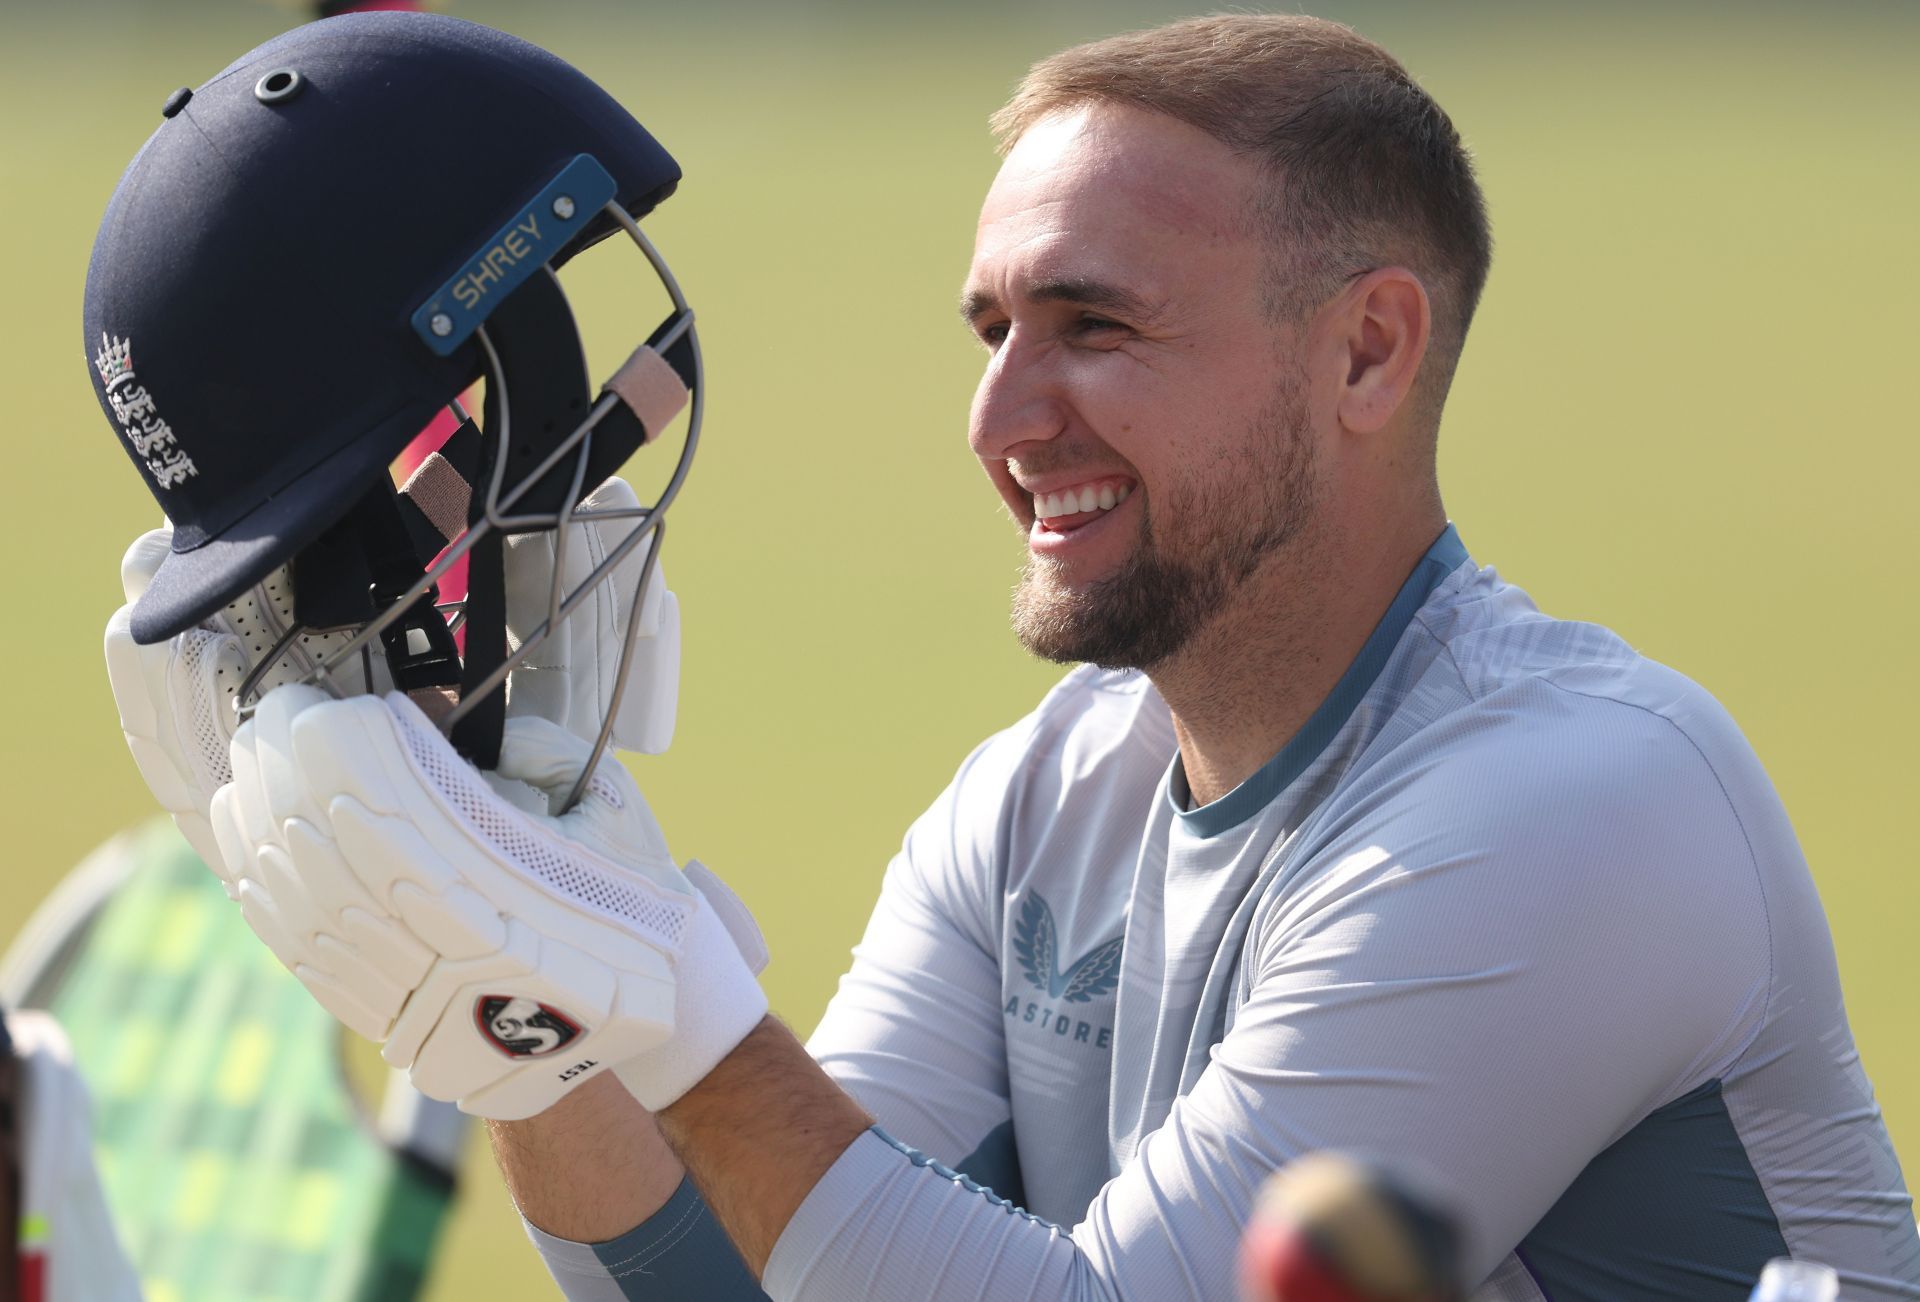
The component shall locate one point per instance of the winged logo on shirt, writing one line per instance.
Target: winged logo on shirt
(1036, 944)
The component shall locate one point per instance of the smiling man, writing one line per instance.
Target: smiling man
(1334, 841)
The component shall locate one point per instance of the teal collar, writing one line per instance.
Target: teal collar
(1277, 774)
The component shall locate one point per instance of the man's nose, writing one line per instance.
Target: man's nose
(1017, 402)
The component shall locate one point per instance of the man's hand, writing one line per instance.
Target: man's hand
(177, 698)
(570, 677)
(502, 956)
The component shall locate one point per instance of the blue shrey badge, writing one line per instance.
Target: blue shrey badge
(503, 263)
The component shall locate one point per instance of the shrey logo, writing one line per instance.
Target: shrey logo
(1036, 944)
(522, 1028)
(151, 437)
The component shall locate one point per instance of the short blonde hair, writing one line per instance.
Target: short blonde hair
(1367, 170)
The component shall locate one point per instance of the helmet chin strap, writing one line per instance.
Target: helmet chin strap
(363, 564)
(537, 343)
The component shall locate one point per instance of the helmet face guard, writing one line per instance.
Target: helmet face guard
(321, 249)
(472, 520)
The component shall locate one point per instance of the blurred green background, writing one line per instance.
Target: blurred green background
(1685, 412)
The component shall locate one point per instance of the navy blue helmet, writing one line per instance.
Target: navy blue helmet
(321, 249)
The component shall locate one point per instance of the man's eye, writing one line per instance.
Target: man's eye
(993, 335)
(1095, 325)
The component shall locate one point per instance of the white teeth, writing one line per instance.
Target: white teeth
(1072, 501)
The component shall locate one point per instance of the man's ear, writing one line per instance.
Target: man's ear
(1381, 325)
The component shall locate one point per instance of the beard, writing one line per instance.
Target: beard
(1189, 562)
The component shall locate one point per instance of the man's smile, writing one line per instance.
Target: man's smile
(1063, 512)
(1065, 507)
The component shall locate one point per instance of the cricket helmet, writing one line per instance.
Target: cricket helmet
(319, 251)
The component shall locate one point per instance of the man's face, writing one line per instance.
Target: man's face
(1142, 414)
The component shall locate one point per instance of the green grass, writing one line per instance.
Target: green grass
(1685, 413)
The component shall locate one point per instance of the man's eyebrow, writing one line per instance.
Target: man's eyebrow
(976, 304)
(1096, 294)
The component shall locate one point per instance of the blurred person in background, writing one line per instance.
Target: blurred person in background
(58, 1244)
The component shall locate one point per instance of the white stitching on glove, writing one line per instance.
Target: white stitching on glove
(503, 957)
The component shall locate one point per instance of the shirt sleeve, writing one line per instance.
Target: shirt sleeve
(914, 1031)
(1484, 977)
(678, 1252)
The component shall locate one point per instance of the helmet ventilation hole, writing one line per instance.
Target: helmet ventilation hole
(278, 86)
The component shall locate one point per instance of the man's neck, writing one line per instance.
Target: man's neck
(1248, 681)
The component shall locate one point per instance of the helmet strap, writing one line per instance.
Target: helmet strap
(478, 734)
(358, 568)
(545, 370)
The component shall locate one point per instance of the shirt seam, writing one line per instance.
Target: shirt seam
(670, 1237)
(1422, 618)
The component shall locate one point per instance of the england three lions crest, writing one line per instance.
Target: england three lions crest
(150, 437)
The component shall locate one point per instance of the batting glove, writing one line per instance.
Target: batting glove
(503, 957)
(177, 698)
(569, 677)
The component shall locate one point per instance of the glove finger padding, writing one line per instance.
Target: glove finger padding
(612, 816)
(502, 956)
(142, 561)
(265, 849)
(570, 677)
(175, 701)
(176, 698)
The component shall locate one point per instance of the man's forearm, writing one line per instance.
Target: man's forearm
(589, 1168)
(758, 1133)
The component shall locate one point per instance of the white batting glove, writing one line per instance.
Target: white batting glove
(569, 677)
(176, 698)
(502, 957)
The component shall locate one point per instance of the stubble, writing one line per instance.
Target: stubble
(1198, 547)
